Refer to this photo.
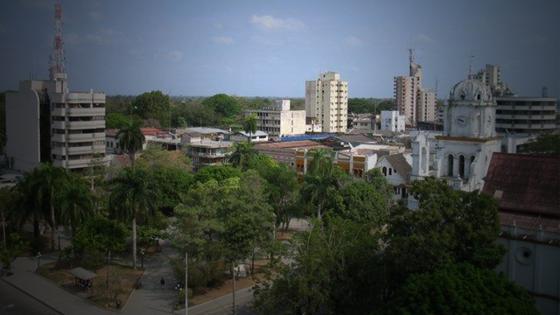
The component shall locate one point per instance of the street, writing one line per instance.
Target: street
(14, 302)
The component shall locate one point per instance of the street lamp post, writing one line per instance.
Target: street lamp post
(142, 253)
(186, 283)
(38, 261)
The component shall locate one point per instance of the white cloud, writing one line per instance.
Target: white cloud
(354, 41)
(225, 40)
(268, 22)
(101, 37)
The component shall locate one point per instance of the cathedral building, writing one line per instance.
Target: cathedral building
(462, 153)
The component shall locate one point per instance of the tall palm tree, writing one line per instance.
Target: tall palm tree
(321, 180)
(250, 126)
(76, 203)
(30, 209)
(242, 154)
(132, 198)
(131, 139)
(48, 182)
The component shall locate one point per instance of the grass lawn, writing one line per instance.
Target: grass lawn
(121, 283)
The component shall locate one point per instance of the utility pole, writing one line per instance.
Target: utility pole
(233, 293)
(186, 283)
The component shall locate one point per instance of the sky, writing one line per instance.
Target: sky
(270, 48)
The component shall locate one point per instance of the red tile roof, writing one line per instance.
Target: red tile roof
(528, 184)
(150, 131)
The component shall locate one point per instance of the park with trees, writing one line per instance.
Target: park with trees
(362, 253)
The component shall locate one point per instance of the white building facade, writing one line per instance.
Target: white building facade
(279, 120)
(326, 100)
(464, 150)
(392, 120)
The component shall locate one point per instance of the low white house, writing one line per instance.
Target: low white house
(396, 168)
(392, 121)
(258, 136)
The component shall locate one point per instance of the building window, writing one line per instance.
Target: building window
(390, 171)
(462, 166)
(384, 170)
(450, 165)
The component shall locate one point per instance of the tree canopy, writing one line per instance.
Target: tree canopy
(153, 105)
(223, 105)
(544, 144)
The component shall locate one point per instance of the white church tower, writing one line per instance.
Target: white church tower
(464, 150)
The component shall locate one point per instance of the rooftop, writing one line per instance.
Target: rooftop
(526, 184)
(206, 130)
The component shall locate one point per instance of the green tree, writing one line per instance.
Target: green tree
(131, 139)
(217, 173)
(283, 191)
(117, 120)
(335, 269)
(153, 105)
(359, 201)
(46, 185)
(449, 227)
(461, 289)
(250, 126)
(76, 202)
(323, 179)
(242, 155)
(131, 199)
(544, 144)
(224, 105)
(100, 234)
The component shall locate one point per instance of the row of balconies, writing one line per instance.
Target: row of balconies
(525, 126)
(534, 117)
(91, 124)
(78, 137)
(82, 163)
(78, 112)
(526, 107)
(86, 149)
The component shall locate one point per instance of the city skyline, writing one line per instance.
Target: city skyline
(270, 49)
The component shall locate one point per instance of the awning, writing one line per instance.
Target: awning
(82, 273)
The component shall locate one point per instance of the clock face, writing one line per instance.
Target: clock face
(462, 120)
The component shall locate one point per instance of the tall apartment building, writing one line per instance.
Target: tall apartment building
(47, 123)
(279, 120)
(326, 99)
(491, 76)
(411, 99)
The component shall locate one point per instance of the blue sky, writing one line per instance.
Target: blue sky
(269, 48)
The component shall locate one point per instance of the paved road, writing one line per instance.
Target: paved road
(222, 305)
(14, 302)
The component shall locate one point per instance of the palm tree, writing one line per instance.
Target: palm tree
(131, 139)
(321, 180)
(25, 200)
(242, 155)
(250, 126)
(131, 198)
(76, 203)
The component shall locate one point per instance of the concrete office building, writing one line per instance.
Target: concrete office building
(45, 122)
(279, 120)
(392, 120)
(326, 99)
(526, 114)
(411, 99)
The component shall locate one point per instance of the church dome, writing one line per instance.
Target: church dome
(470, 90)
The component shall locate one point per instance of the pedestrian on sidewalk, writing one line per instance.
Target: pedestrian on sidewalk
(162, 282)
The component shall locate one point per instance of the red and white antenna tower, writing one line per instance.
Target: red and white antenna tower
(57, 57)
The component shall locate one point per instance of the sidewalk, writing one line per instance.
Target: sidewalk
(152, 298)
(25, 279)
